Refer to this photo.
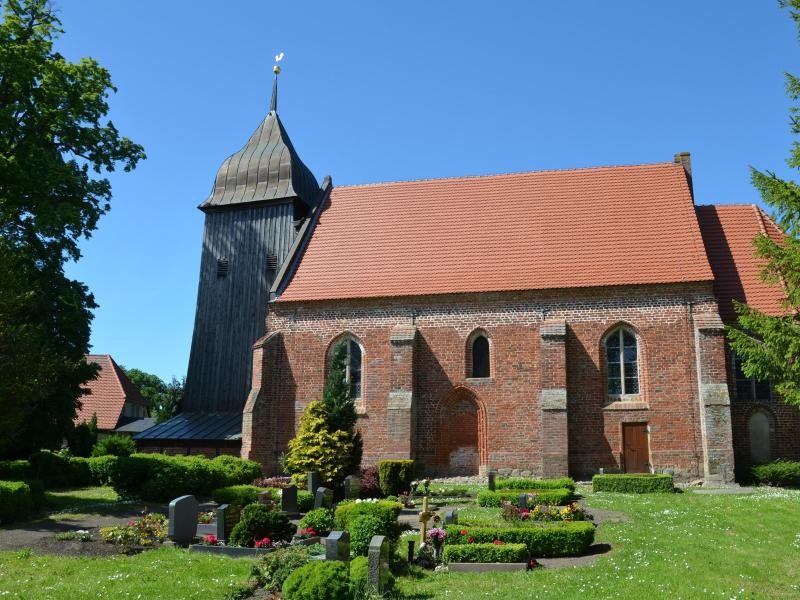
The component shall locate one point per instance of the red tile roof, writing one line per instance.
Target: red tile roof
(728, 232)
(547, 229)
(107, 394)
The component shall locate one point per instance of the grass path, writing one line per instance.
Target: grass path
(675, 546)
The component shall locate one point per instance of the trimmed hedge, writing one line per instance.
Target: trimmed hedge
(781, 473)
(395, 476)
(633, 483)
(486, 553)
(15, 470)
(158, 477)
(545, 541)
(526, 483)
(102, 468)
(496, 498)
(259, 521)
(242, 495)
(16, 501)
(350, 516)
(318, 580)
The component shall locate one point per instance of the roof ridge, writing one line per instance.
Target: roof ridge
(509, 173)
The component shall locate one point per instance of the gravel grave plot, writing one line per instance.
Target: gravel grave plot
(39, 535)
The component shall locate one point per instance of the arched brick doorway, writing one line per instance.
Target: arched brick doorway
(461, 437)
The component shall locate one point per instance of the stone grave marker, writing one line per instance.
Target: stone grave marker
(323, 497)
(337, 546)
(451, 517)
(289, 499)
(523, 501)
(352, 486)
(222, 515)
(264, 497)
(491, 475)
(183, 520)
(378, 560)
(314, 481)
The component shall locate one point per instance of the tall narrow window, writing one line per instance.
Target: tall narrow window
(749, 389)
(480, 357)
(353, 373)
(622, 363)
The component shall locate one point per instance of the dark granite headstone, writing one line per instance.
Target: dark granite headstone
(337, 546)
(289, 499)
(491, 475)
(183, 520)
(410, 551)
(313, 481)
(523, 501)
(222, 515)
(352, 486)
(378, 560)
(451, 517)
(323, 497)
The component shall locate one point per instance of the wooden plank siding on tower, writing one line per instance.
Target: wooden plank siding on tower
(231, 308)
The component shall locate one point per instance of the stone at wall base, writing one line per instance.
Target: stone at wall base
(484, 567)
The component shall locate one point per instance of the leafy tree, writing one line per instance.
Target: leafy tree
(341, 407)
(317, 448)
(83, 437)
(53, 136)
(770, 346)
(116, 445)
(164, 398)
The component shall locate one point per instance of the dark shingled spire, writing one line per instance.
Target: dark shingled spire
(266, 168)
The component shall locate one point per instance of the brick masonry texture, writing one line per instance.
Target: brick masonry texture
(459, 424)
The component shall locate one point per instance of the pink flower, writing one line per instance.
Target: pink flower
(262, 543)
(211, 540)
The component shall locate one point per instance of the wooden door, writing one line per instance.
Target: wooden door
(635, 448)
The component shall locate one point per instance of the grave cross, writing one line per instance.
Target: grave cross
(424, 517)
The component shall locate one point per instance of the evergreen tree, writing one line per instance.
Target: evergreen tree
(341, 406)
(770, 346)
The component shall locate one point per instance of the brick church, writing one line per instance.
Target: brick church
(550, 321)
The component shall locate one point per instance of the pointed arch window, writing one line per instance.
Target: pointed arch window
(622, 363)
(480, 357)
(352, 363)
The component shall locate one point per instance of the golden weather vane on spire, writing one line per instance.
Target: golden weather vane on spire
(278, 58)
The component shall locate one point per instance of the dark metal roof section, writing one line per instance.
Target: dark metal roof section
(136, 425)
(266, 168)
(196, 426)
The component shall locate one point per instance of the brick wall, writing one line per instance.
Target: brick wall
(500, 416)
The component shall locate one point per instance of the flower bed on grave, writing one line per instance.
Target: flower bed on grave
(543, 540)
(495, 556)
(534, 497)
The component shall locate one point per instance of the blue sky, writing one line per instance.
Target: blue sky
(378, 91)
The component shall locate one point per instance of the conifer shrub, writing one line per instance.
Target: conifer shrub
(782, 473)
(317, 448)
(545, 541)
(496, 498)
(305, 500)
(395, 476)
(633, 483)
(526, 483)
(318, 580)
(486, 553)
(258, 521)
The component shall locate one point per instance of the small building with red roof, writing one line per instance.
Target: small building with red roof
(114, 399)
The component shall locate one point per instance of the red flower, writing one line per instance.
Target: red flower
(498, 542)
(262, 543)
(534, 564)
(471, 539)
(463, 532)
(211, 540)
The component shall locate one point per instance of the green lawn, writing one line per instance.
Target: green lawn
(163, 573)
(674, 546)
(75, 499)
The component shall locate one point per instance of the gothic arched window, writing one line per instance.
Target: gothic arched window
(352, 363)
(480, 357)
(622, 363)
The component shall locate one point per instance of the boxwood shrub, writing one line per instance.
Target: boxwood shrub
(15, 470)
(318, 580)
(783, 473)
(496, 498)
(486, 553)
(242, 495)
(395, 476)
(305, 500)
(348, 516)
(259, 521)
(101, 468)
(633, 483)
(546, 541)
(16, 501)
(158, 477)
(526, 483)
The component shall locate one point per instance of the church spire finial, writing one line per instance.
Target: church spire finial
(273, 105)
